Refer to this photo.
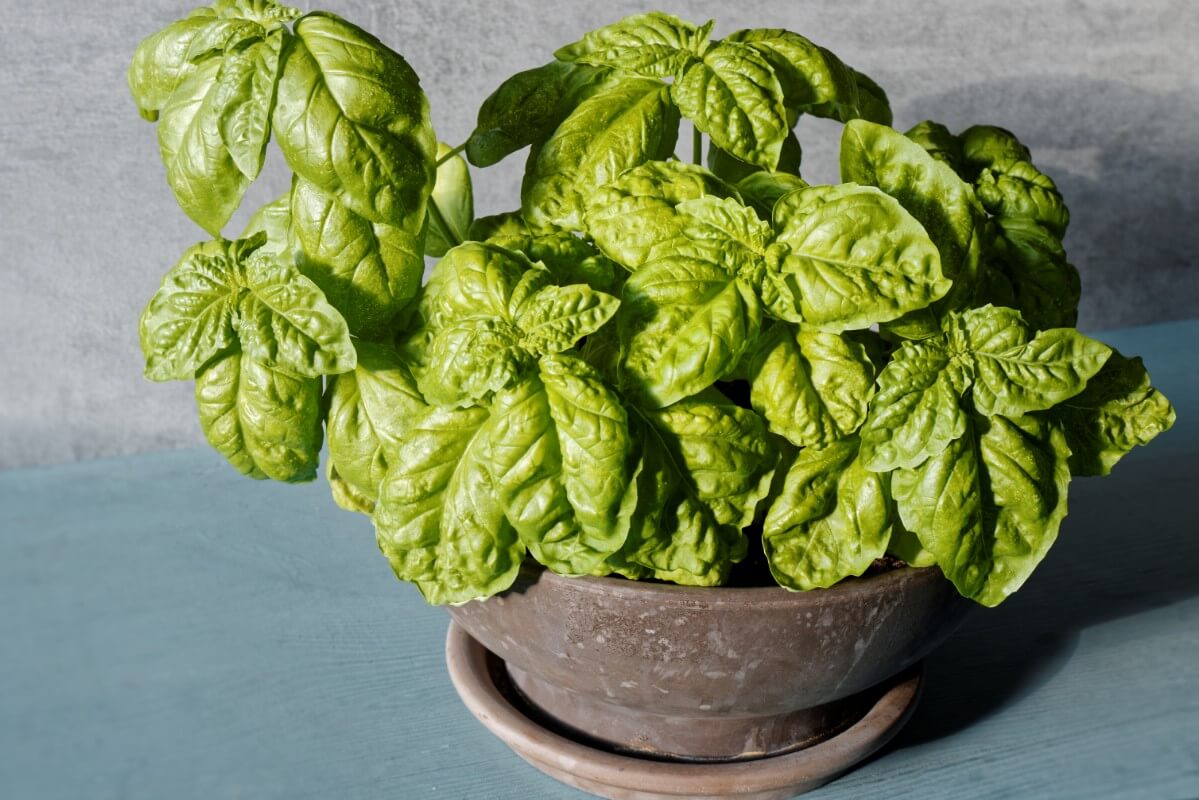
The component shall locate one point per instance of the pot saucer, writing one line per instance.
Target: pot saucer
(481, 681)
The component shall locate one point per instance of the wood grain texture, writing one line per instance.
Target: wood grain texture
(171, 629)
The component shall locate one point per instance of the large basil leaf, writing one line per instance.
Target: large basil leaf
(812, 387)
(455, 201)
(367, 270)
(873, 105)
(1117, 411)
(704, 468)
(685, 324)
(762, 190)
(732, 95)
(812, 79)
(438, 519)
(245, 95)
(471, 359)
(1023, 191)
(266, 422)
(527, 107)
(190, 319)
(370, 407)
(274, 220)
(473, 279)
(855, 257)
(626, 123)
(928, 189)
(1014, 374)
(724, 232)
(554, 318)
(350, 116)
(832, 520)
(732, 169)
(568, 259)
(200, 169)
(988, 507)
(629, 216)
(559, 450)
(655, 45)
(286, 322)
(916, 412)
(937, 141)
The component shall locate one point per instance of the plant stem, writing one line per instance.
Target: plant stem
(450, 154)
(450, 234)
(697, 146)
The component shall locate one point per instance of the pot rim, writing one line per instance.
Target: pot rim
(847, 591)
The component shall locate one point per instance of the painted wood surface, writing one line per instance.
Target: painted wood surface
(170, 629)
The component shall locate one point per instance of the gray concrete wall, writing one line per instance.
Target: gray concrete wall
(1106, 93)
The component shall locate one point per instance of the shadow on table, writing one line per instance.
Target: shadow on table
(1128, 546)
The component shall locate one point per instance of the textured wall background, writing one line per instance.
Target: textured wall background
(1106, 93)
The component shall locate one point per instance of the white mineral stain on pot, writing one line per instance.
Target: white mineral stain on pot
(599, 638)
(628, 684)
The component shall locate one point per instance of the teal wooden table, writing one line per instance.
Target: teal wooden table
(169, 629)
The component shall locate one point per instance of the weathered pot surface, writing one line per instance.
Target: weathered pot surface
(710, 674)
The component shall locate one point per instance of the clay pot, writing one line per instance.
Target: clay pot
(709, 674)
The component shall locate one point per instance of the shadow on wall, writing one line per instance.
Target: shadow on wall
(1126, 162)
(1128, 546)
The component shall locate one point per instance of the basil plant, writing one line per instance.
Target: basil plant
(655, 363)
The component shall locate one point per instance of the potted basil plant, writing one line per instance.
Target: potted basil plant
(675, 364)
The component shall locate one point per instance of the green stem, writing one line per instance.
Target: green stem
(439, 219)
(450, 154)
(697, 146)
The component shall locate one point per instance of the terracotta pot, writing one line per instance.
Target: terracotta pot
(710, 674)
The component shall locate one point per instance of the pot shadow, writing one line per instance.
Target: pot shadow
(1125, 549)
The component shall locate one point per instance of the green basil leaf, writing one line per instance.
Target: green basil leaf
(567, 259)
(812, 387)
(245, 95)
(873, 105)
(626, 123)
(985, 146)
(654, 45)
(855, 257)
(906, 546)
(938, 142)
(473, 358)
(762, 190)
(163, 60)
(266, 422)
(732, 169)
(455, 198)
(928, 189)
(368, 271)
(370, 407)
(916, 412)
(812, 79)
(505, 225)
(560, 460)
(473, 279)
(1023, 191)
(267, 13)
(723, 231)
(631, 215)
(346, 496)
(527, 107)
(200, 169)
(285, 322)
(274, 220)
(1044, 286)
(832, 520)
(732, 95)
(556, 317)
(1118, 411)
(350, 116)
(438, 519)
(684, 324)
(988, 507)
(190, 319)
(1015, 375)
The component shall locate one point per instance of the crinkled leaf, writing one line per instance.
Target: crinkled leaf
(732, 169)
(988, 507)
(937, 141)
(455, 198)
(723, 231)
(762, 190)
(684, 325)
(1021, 190)
(473, 279)
(567, 258)
(527, 107)
(985, 146)
(245, 95)
(832, 520)
(369, 409)
(855, 257)
(1118, 411)
(554, 318)
(624, 124)
(812, 387)
(733, 95)
(655, 45)
(631, 215)
(266, 422)
(285, 322)
(268, 13)
(438, 519)
(1014, 374)
(917, 411)
(812, 79)
(368, 271)
(273, 219)
(190, 319)
(471, 359)
(559, 452)
(350, 116)
(346, 496)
